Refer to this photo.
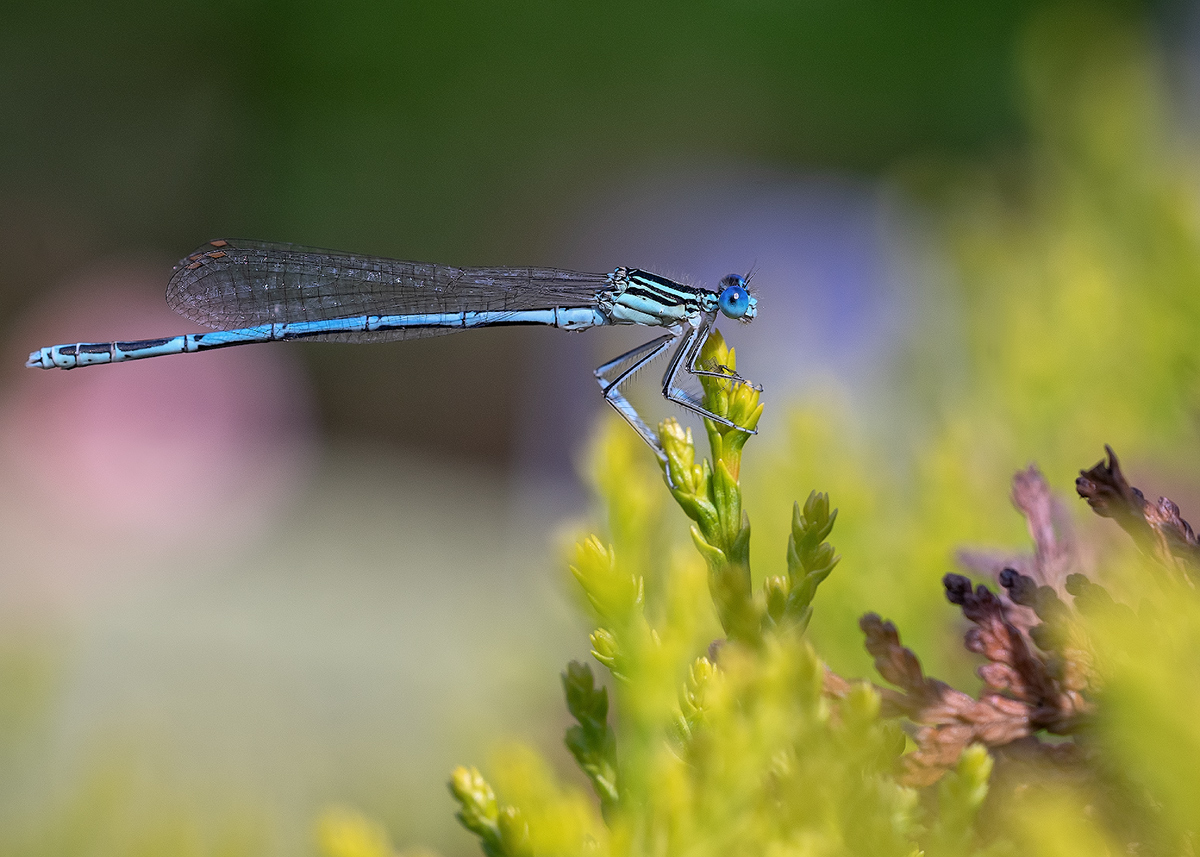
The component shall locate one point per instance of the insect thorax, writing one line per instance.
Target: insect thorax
(639, 297)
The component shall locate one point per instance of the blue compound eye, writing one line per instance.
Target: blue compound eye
(734, 299)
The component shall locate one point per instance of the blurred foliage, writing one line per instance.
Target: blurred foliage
(1147, 731)
(394, 120)
(342, 832)
(118, 805)
(1066, 320)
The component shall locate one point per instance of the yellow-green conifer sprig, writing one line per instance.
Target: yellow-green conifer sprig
(592, 742)
(810, 559)
(710, 494)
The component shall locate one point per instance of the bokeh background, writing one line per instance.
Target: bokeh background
(241, 587)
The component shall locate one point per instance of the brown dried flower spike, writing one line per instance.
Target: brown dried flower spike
(1156, 528)
(1036, 673)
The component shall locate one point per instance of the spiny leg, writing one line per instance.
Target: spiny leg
(654, 345)
(641, 355)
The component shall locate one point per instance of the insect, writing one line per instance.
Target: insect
(257, 291)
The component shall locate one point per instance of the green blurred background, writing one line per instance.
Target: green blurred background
(241, 590)
(461, 133)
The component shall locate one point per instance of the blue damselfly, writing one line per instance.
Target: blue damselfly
(256, 291)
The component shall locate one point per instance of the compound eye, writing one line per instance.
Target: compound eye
(734, 300)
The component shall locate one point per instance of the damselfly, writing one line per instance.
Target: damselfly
(255, 291)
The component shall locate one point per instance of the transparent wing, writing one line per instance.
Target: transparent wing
(232, 283)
